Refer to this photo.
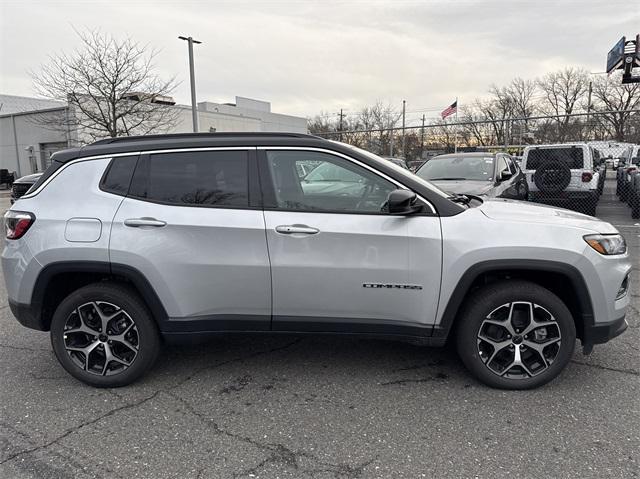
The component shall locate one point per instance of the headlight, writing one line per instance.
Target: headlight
(607, 244)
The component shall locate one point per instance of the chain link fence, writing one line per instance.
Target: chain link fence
(579, 161)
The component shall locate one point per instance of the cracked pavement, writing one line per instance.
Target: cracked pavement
(320, 407)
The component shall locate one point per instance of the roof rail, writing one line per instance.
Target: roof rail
(177, 136)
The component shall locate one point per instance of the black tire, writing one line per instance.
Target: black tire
(552, 176)
(494, 296)
(145, 329)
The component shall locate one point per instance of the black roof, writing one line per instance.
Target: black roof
(187, 140)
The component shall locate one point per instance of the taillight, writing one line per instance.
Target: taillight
(587, 176)
(16, 223)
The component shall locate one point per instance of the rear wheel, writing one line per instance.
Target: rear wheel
(515, 335)
(104, 335)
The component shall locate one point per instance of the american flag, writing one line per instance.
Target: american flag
(450, 110)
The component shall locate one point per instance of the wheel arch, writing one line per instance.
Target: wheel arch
(57, 280)
(562, 279)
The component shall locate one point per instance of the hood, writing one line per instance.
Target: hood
(525, 212)
(465, 187)
(29, 178)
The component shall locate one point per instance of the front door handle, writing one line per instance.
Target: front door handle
(293, 229)
(137, 222)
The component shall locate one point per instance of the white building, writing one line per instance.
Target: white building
(26, 144)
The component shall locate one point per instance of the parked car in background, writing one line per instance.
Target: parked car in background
(481, 174)
(6, 178)
(129, 241)
(633, 174)
(414, 165)
(628, 164)
(397, 160)
(566, 175)
(22, 185)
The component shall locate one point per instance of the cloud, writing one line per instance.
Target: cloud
(310, 56)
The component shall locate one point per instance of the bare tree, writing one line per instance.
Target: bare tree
(563, 93)
(110, 87)
(522, 95)
(321, 124)
(610, 94)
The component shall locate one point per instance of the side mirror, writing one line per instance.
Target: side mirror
(505, 175)
(402, 202)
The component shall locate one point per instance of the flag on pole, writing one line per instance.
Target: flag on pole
(450, 110)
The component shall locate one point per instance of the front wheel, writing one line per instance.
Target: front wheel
(515, 335)
(104, 335)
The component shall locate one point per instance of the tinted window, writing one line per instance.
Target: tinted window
(570, 156)
(330, 184)
(118, 176)
(470, 167)
(218, 178)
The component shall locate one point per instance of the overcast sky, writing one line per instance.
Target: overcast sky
(308, 56)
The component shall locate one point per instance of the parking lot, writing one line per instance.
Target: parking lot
(322, 407)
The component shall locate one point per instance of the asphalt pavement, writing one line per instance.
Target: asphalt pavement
(321, 407)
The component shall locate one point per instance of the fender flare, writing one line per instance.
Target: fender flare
(137, 279)
(443, 328)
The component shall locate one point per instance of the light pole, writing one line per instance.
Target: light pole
(194, 106)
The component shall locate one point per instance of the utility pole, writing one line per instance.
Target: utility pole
(192, 75)
(422, 137)
(589, 109)
(404, 111)
(340, 124)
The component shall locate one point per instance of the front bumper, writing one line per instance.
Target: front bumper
(600, 333)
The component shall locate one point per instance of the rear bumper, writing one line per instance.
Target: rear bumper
(563, 197)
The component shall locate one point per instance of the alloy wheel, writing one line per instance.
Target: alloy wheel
(101, 338)
(519, 340)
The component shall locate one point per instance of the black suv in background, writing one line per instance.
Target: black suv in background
(22, 185)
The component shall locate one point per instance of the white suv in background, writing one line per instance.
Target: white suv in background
(564, 175)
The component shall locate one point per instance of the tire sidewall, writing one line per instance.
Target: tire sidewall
(149, 342)
(482, 305)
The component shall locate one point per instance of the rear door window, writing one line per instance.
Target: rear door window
(573, 157)
(203, 178)
(118, 176)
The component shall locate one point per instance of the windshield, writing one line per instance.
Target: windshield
(439, 168)
(402, 172)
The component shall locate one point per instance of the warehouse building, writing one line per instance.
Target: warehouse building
(27, 138)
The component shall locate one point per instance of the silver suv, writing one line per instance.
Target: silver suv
(128, 242)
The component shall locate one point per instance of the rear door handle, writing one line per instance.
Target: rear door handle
(137, 222)
(293, 229)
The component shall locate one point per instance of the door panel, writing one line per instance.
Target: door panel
(357, 266)
(204, 262)
(205, 257)
(344, 270)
